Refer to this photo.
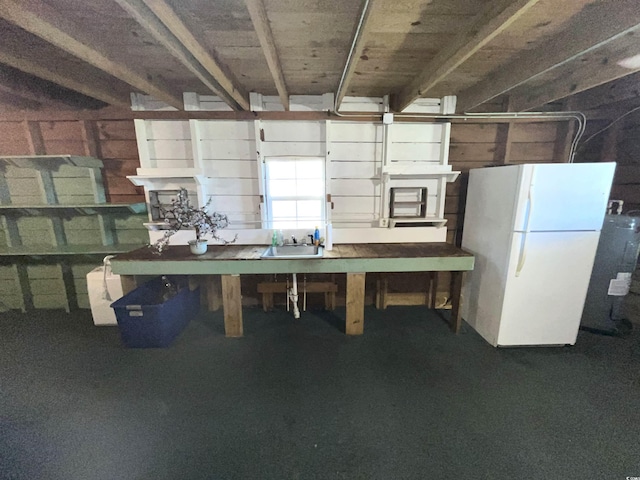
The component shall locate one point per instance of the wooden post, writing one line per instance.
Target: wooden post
(433, 294)
(214, 299)
(89, 134)
(564, 136)
(232, 305)
(355, 303)
(34, 138)
(128, 283)
(502, 155)
(381, 292)
(456, 290)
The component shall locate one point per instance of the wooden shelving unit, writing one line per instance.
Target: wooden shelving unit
(88, 209)
(55, 226)
(66, 250)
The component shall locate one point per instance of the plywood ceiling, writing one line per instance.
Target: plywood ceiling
(105, 49)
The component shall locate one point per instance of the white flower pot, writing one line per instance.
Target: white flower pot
(198, 247)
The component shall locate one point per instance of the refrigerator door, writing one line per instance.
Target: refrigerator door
(563, 197)
(546, 287)
(487, 234)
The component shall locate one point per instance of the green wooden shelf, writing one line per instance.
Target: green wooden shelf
(51, 162)
(65, 250)
(81, 209)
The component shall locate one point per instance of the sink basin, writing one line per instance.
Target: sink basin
(292, 251)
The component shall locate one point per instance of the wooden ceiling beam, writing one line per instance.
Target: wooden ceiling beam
(596, 25)
(229, 88)
(623, 89)
(92, 87)
(20, 85)
(599, 67)
(262, 27)
(57, 30)
(152, 24)
(494, 18)
(359, 41)
(16, 102)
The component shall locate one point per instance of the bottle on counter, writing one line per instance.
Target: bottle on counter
(316, 237)
(274, 242)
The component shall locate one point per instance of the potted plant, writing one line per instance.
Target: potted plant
(182, 215)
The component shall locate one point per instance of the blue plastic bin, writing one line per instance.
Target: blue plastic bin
(146, 321)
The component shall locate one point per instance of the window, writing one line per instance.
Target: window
(295, 192)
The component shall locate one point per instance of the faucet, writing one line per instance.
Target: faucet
(293, 239)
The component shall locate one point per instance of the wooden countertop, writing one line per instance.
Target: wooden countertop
(245, 259)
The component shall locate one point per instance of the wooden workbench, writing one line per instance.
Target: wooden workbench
(231, 261)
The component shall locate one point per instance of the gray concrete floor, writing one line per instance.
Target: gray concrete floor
(299, 400)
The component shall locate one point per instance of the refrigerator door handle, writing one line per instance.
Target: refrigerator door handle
(522, 256)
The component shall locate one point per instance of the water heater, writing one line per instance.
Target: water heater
(616, 260)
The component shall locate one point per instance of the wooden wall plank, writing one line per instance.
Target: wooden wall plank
(116, 130)
(61, 130)
(119, 149)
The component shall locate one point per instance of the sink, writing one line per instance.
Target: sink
(292, 252)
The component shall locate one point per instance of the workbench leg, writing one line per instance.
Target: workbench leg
(381, 292)
(267, 301)
(456, 290)
(433, 293)
(232, 305)
(128, 283)
(332, 294)
(355, 304)
(213, 292)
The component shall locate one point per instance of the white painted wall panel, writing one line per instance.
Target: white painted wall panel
(170, 149)
(416, 132)
(230, 168)
(356, 132)
(226, 130)
(168, 129)
(227, 150)
(355, 187)
(242, 221)
(302, 149)
(415, 152)
(355, 169)
(366, 152)
(174, 163)
(235, 204)
(227, 186)
(345, 206)
(305, 103)
(362, 104)
(275, 131)
(227, 154)
(195, 101)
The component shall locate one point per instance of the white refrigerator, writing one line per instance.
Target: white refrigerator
(534, 230)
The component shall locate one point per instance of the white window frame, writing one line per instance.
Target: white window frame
(269, 221)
